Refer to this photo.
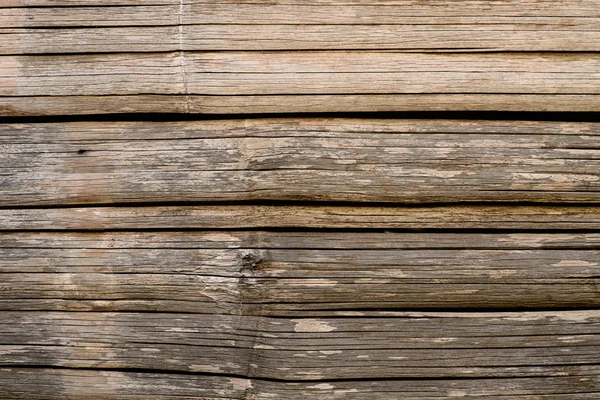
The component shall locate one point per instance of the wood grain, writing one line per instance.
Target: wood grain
(56, 384)
(326, 56)
(338, 81)
(227, 105)
(334, 160)
(306, 217)
(266, 273)
(293, 73)
(545, 35)
(439, 345)
(332, 25)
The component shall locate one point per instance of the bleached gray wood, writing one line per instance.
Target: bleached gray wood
(416, 345)
(291, 159)
(265, 273)
(56, 384)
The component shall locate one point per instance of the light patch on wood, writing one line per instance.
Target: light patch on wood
(502, 273)
(444, 340)
(570, 339)
(574, 263)
(312, 325)
(337, 392)
(183, 330)
(575, 316)
(322, 386)
(205, 368)
(263, 347)
(240, 384)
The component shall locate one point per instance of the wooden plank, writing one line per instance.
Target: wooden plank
(306, 217)
(438, 345)
(85, 105)
(56, 384)
(562, 14)
(277, 73)
(412, 38)
(291, 159)
(266, 273)
(334, 79)
(129, 26)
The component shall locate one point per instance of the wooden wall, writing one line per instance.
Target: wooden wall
(196, 201)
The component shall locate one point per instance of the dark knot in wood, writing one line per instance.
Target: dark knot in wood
(251, 260)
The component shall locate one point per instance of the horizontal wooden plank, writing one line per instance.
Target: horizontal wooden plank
(280, 73)
(129, 26)
(472, 14)
(306, 217)
(478, 37)
(315, 159)
(85, 105)
(265, 273)
(336, 80)
(438, 345)
(56, 384)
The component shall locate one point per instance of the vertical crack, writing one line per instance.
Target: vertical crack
(182, 58)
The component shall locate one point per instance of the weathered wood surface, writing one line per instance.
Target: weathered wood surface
(441, 345)
(269, 273)
(328, 56)
(85, 105)
(322, 159)
(298, 73)
(301, 216)
(330, 25)
(122, 275)
(58, 384)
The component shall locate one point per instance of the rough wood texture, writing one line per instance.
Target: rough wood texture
(329, 25)
(298, 258)
(332, 55)
(60, 105)
(307, 217)
(266, 273)
(58, 384)
(335, 160)
(442, 345)
(298, 73)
